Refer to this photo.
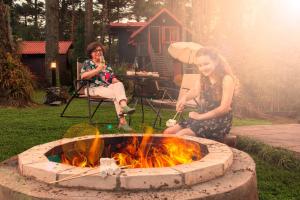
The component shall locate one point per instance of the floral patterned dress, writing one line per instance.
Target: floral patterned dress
(104, 78)
(215, 128)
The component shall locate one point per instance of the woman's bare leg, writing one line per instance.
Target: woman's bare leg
(186, 131)
(172, 130)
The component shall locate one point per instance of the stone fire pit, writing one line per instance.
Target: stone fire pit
(213, 175)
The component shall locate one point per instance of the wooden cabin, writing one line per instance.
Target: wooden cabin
(33, 56)
(148, 42)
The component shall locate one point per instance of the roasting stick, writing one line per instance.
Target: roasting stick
(175, 115)
(82, 174)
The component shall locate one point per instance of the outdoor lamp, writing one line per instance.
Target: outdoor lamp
(53, 69)
(53, 65)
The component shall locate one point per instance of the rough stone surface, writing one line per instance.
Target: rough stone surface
(93, 181)
(149, 178)
(238, 183)
(212, 165)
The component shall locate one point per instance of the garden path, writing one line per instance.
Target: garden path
(286, 136)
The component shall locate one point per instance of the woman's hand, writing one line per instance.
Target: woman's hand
(180, 104)
(194, 115)
(99, 67)
(115, 80)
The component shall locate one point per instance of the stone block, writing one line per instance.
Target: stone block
(88, 178)
(147, 178)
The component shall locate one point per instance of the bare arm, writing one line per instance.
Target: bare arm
(194, 92)
(224, 107)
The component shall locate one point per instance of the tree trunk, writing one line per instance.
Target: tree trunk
(51, 36)
(6, 42)
(104, 20)
(73, 21)
(36, 14)
(88, 25)
(62, 13)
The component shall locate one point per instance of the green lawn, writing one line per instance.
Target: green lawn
(21, 129)
(278, 171)
(276, 183)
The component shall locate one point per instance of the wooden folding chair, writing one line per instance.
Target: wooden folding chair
(80, 85)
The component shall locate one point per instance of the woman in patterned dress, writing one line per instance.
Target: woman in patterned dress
(215, 89)
(104, 83)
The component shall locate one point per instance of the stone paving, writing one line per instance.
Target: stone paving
(286, 136)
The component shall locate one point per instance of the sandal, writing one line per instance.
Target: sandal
(125, 127)
(128, 110)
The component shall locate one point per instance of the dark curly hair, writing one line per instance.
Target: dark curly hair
(92, 46)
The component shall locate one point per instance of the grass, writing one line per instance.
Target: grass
(26, 127)
(276, 183)
(20, 129)
(278, 171)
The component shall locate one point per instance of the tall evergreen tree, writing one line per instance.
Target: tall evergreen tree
(88, 22)
(27, 19)
(51, 35)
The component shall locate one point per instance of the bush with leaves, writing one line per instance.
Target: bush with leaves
(16, 82)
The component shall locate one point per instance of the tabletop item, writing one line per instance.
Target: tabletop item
(142, 73)
(130, 73)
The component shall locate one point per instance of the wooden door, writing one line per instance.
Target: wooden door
(155, 39)
(170, 34)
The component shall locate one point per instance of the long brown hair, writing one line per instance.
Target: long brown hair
(222, 67)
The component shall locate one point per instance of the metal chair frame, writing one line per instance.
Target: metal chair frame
(80, 84)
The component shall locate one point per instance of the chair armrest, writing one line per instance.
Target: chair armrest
(84, 81)
(169, 89)
(80, 84)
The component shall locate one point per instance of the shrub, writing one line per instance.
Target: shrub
(16, 82)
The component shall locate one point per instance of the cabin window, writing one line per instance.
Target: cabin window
(170, 35)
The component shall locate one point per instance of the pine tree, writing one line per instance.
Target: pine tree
(51, 35)
(88, 22)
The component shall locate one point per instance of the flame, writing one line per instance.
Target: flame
(147, 152)
(82, 156)
(96, 150)
(169, 151)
